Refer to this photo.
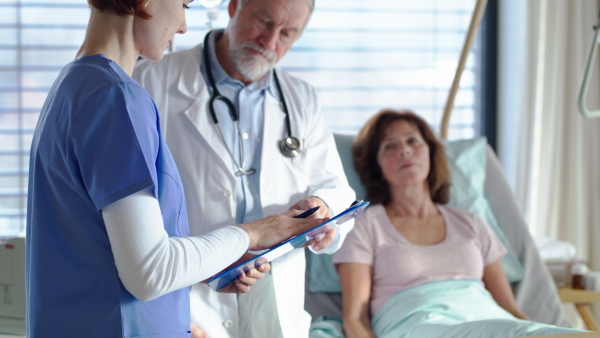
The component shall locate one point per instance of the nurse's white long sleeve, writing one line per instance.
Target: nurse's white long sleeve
(151, 264)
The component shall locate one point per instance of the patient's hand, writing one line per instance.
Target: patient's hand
(243, 283)
(197, 332)
(521, 315)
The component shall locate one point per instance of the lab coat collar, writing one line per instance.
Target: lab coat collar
(191, 83)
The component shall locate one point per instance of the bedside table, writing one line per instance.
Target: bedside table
(582, 300)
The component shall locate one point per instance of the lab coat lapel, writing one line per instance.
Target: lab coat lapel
(192, 85)
(274, 123)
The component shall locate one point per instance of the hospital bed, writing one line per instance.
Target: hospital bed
(532, 284)
(536, 293)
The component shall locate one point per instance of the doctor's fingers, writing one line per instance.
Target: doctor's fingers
(326, 241)
(323, 212)
(313, 241)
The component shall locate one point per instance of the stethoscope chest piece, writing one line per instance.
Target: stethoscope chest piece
(289, 146)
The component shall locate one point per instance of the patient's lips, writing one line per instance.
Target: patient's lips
(407, 165)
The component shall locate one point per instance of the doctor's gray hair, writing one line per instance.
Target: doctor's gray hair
(311, 3)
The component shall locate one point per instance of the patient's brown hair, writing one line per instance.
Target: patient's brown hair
(366, 146)
(122, 7)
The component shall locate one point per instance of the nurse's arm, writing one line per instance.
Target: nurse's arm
(151, 264)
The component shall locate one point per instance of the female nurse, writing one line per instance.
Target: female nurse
(107, 252)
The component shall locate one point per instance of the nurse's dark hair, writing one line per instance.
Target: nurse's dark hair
(122, 7)
(366, 147)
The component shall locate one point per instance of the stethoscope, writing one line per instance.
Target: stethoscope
(289, 146)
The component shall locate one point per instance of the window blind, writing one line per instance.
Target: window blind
(361, 56)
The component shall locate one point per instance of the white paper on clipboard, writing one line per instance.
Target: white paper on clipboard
(225, 277)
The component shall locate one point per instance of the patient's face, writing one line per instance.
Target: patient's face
(403, 155)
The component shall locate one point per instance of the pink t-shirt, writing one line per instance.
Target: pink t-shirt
(398, 264)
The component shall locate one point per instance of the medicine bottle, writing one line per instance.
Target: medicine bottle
(578, 272)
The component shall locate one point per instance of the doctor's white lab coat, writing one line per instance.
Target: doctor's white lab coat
(182, 97)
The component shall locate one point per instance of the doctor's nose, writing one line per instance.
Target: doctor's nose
(268, 39)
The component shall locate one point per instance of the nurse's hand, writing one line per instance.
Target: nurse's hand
(197, 332)
(321, 241)
(246, 280)
(267, 232)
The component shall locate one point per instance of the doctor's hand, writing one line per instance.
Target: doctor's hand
(321, 241)
(246, 280)
(311, 202)
(267, 232)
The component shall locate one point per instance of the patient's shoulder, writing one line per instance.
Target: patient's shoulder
(461, 217)
(373, 215)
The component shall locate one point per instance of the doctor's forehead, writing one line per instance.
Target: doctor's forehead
(311, 3)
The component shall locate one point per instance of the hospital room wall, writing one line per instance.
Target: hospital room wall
(550, 153)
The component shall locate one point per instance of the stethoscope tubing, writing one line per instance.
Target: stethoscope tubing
(288, 146)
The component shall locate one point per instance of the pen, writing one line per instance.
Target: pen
(356, 202)
(308, 212)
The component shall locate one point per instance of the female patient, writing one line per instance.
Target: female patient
(410, 239)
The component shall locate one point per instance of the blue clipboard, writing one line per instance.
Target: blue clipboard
(226, 277)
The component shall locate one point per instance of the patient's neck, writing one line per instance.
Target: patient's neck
(411, 201)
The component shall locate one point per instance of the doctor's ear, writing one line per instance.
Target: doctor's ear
(232, 7)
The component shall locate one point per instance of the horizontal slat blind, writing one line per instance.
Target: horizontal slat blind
(363, 56)
(360, 55)
(37, 38)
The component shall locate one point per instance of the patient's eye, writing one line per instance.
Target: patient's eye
(388, 148)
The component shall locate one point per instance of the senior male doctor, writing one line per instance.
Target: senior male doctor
(241, 156)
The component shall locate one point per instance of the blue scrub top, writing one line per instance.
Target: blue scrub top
(98, 139)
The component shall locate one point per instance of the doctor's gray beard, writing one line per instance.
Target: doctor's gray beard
(251, 66)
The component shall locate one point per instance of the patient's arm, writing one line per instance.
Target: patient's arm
(356, 291)
(497, 284)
